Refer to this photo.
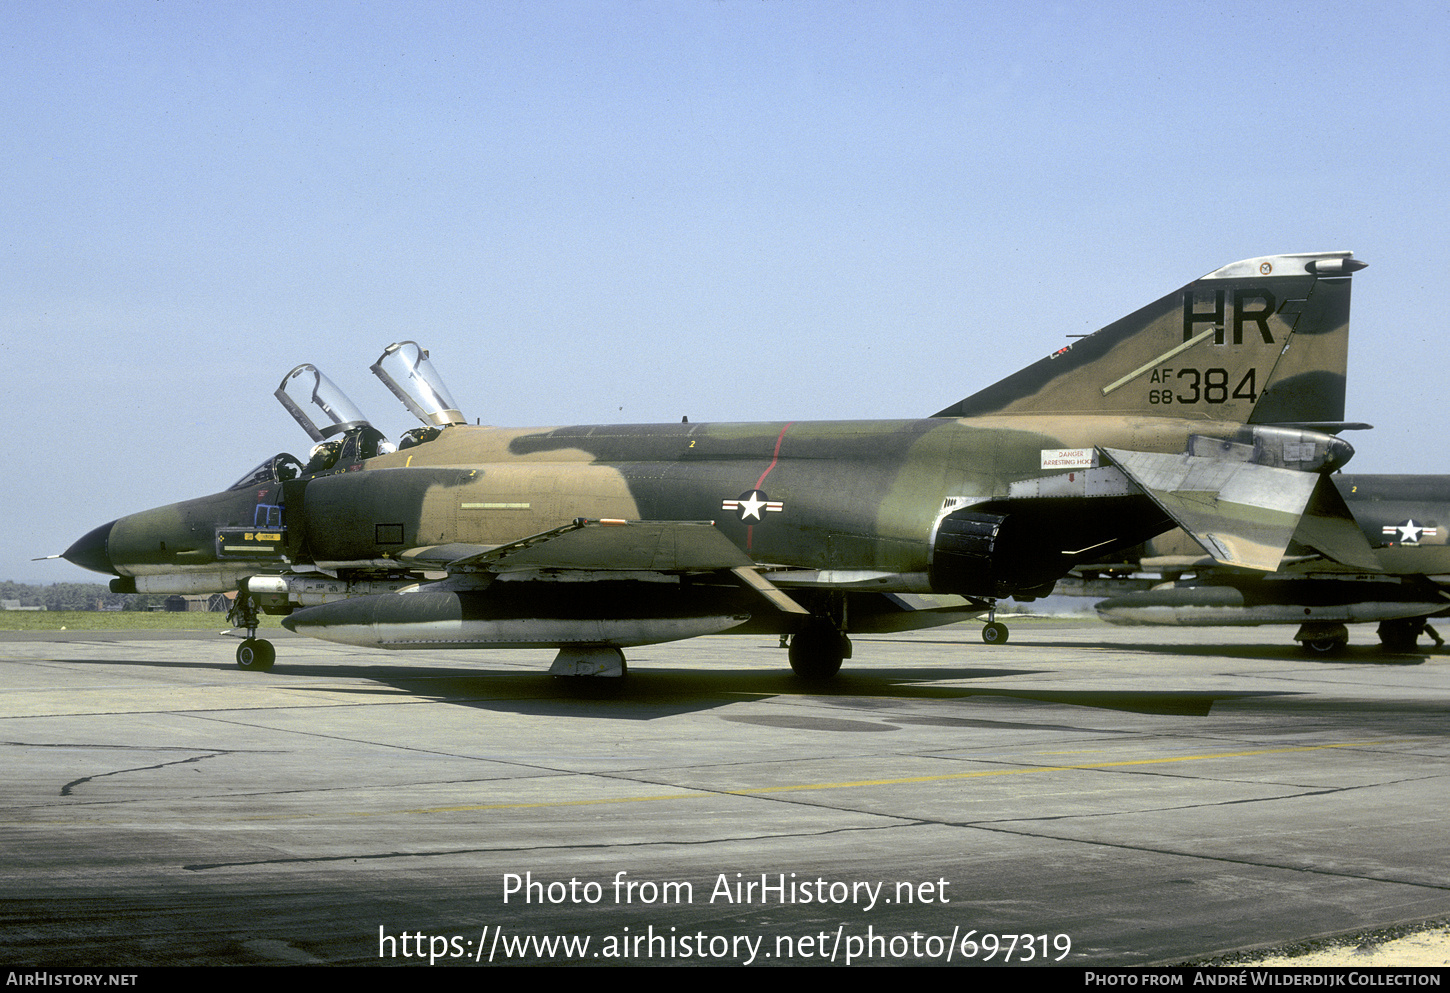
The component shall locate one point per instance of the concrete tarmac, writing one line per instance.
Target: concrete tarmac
(1083, 794)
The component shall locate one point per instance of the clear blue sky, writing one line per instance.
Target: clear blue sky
(631, 211)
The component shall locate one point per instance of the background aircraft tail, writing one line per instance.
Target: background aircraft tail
(1261, 341)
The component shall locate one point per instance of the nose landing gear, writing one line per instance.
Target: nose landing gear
(995, 633)
(253, 654)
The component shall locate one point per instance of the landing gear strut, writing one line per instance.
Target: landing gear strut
(253, 654)
(995, 633)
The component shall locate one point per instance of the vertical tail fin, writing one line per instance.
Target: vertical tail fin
(1259, 341)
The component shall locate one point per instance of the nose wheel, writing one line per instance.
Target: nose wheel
(253, 654)
(256, 655)
(995, 633)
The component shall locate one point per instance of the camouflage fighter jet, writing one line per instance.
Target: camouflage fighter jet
(1213, 408)
(1394, 571)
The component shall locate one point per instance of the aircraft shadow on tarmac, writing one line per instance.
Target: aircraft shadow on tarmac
(1269, 652)
(655, 692)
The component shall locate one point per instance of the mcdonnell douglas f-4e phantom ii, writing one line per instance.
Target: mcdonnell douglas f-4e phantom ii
(1213, 409)
(1395, 570)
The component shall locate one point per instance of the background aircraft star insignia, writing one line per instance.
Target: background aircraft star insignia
(1409, 532)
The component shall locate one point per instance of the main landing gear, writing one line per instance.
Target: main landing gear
(818, 648)
(1401, 634)
(1396, 636)
(253, 654)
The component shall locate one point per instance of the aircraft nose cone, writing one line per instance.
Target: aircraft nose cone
(90, 551)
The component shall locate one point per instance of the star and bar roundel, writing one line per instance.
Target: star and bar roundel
(1409, 532)
(753, 505)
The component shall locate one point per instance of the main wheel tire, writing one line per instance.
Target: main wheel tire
(995, 633)
(817, 650)
(256, 655)
(1325, 646)
(1401, 635)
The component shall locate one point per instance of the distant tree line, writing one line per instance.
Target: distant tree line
(77, 596)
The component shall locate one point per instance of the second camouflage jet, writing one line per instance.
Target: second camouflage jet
(1393, 571)
(1213, 409)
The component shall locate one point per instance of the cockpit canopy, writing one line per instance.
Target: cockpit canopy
(343, 435)
(334, 413)
(404, 368)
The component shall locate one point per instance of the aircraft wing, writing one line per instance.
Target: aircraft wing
(1242, 513)
(602, 546)
(588, 587)
(609, 547)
